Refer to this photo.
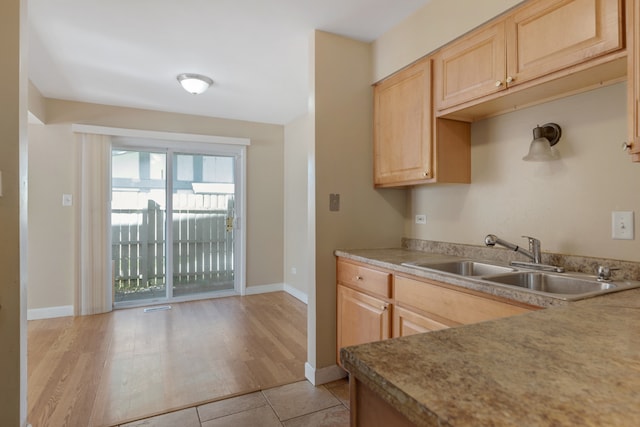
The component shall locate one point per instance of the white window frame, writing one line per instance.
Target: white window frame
(192, 144)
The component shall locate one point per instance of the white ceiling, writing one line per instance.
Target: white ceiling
(129, 52)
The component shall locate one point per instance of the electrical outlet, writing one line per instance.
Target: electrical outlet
(421, 219)
(622, 225)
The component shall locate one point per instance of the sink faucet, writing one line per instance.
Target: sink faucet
(534, 246)
(534, 253)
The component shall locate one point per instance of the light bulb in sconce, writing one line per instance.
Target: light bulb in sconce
(544, 138)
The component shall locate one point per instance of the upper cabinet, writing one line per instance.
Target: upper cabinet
(633, 81)
(410, 146)
(471, 67)
(532, 42)
(549, 35)
(402, 126)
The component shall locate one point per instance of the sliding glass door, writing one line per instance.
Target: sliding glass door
(202, 224)
(194, 228)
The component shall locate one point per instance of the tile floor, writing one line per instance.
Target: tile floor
(293, 405)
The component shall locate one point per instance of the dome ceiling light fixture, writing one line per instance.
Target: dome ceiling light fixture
(194, 83)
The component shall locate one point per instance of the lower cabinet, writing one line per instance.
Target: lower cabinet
(361, 318)
(406, 322)
(374, 304)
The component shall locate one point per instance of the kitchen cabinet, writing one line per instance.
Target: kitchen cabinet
(410, 146)
(450, 306)
(361, 318)
(633, 80)
(531, 42)
(406, 322)
(374, 304)
(362, 304)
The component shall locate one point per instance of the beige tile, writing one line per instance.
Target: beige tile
(257, 417)
(337, 416)
(340, 389)
(301, 398)
(231, 406)
(185, 418)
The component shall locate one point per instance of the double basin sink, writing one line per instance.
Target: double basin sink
(568, 286)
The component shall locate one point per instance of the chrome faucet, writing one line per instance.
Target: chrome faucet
(534, 252)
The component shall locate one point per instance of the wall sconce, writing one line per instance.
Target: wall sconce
(194, 83)
(544, 137)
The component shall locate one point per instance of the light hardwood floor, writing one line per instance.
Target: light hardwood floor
(107, 369)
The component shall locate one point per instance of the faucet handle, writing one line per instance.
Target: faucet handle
(604, 273)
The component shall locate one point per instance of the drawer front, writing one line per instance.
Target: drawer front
(460, 307)
(364, 278)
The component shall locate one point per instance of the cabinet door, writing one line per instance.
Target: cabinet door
(549, 35)
(470, 68)
(633, 80)
(407, 322)
(360, 318)
(402, 126)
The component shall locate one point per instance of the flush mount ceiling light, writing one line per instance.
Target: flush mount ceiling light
(194, 83)
(544, 137)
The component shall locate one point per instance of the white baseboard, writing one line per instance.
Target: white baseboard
(49, 312)
(296, 293)
(263, 289)
(276, 287)
(323, 375)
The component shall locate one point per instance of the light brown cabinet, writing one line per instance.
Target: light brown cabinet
(374, 304)
(633, 80)
(362, 304)
(531, 42)
(406, 322)
(361, 318)
(410, 146)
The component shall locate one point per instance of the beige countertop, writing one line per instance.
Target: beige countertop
(569, 365)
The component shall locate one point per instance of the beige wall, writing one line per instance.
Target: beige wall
(435, 24)
(51, 240)
(13, 228)
(298, 137)
(53, 174)
(567, 204)
(343, 159)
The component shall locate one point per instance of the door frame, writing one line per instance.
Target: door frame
(191, 143)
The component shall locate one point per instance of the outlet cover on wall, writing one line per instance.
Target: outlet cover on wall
(421, 219)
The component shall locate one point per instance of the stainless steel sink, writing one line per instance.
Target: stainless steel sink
(463, 268)
(554, 284)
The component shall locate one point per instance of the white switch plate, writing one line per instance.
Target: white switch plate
(67, 200)
(421, 219)
(622, 225)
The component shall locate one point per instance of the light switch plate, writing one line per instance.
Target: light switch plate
(334, 202)
(421, 219)
(67, 200)
(622, 225)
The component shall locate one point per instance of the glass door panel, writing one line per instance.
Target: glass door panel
(202, 224)
(138, 216)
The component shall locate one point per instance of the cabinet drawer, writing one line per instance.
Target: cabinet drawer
(460, 307)
(367, 279)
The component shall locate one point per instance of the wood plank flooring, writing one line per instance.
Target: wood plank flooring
(107, 369)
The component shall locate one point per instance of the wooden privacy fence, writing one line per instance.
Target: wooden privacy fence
(202, 246)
